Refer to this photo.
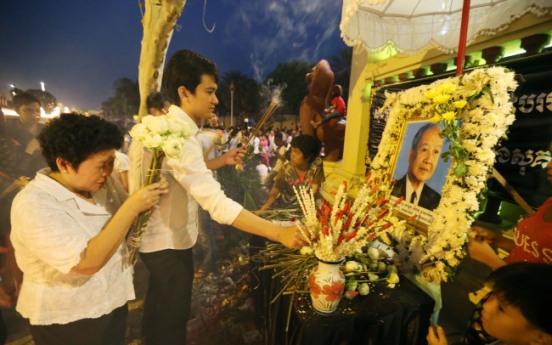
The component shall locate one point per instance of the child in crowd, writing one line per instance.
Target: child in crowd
(518, 309)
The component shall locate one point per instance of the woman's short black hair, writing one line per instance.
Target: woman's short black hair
(309, 146)
(75, 137)
(528, 287)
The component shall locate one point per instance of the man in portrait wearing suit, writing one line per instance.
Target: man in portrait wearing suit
(423, 158)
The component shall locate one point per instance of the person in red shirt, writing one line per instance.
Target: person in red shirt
(337, 103)
(337, 107)
(532, 238)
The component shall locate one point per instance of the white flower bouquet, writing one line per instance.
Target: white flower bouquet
(165, 137)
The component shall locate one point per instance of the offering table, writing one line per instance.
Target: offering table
(386, 316)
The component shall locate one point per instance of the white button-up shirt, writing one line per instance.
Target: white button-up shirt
(173, 224)
(51, 226)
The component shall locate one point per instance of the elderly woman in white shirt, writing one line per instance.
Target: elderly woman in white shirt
(68, 230)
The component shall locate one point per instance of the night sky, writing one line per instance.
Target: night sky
(80, 48)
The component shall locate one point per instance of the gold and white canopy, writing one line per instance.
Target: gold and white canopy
(414, 26)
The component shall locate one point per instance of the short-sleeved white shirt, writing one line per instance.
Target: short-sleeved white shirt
(51, 226)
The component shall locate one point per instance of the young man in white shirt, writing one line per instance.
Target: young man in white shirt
(190, 82)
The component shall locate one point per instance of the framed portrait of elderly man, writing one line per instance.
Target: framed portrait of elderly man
(434, 157)
(420, 172)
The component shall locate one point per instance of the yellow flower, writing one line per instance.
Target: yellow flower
(436, 118)
(441, 98)
(447, 88)
(430, 94)
(449, 116)
(459, 104)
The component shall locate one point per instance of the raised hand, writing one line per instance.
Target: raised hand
(148, 196)
(291, 237)
(234, 156)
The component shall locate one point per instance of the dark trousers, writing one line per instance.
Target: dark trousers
(207, 241)
(169, 297)
(105, 330)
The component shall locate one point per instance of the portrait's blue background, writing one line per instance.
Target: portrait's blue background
(437, 181)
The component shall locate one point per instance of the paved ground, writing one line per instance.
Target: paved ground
(223, 311)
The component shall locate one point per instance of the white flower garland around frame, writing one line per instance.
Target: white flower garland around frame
(485, 117)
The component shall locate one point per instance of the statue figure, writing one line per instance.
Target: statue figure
(330, 130)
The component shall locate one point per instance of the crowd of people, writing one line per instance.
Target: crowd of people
(69, 225)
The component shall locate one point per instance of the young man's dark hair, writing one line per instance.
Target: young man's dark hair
(186, 68)
(22, 99)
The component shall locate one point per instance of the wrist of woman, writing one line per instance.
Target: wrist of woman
(127, 209)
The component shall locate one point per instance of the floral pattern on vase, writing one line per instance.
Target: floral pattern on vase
(326, 285)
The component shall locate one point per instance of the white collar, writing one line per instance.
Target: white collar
(177, 111)
(62, 194)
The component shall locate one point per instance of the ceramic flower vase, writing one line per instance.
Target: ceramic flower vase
(326, 285)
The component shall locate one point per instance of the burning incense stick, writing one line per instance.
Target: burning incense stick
(273, 105)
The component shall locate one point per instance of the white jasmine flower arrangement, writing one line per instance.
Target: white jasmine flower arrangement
(165, 136)
(474, 111)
